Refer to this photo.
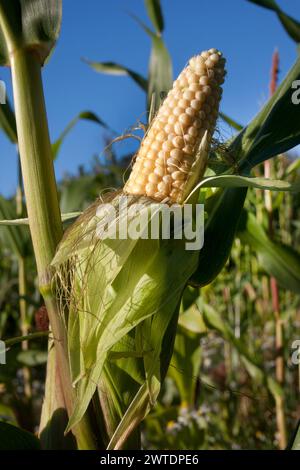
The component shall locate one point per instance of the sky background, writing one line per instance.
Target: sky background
(102, 30)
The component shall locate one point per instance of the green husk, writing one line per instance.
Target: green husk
(121, 296)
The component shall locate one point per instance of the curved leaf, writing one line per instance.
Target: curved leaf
(278, 260)
(155, 14)
(32, 358)
(224, 210)
(296, 438)
(113, 68)
(291, 25)
(160, 71)
(231, 122)
(235, 181)
(8, 122)
(270, 132)
(19, 339)
(85, 115)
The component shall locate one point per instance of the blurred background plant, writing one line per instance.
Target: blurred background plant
(231, 382)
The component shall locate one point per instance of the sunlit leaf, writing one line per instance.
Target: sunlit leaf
(8, 122)
(86, 116)
(235, 181)
(214, 320)
(291, 25)
(113, 68)
(278, 260)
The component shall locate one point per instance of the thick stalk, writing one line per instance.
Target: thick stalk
(42, 204)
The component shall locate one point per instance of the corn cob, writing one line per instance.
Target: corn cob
(91, 272)
(188, 115)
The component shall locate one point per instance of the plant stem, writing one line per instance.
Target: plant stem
(42, 205)
(279, 361)
(23, 288)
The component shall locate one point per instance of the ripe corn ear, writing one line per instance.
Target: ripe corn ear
(184, 125)
(122, 295)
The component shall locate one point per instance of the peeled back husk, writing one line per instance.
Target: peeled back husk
(118, 297)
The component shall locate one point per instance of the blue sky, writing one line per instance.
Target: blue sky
(102, 30)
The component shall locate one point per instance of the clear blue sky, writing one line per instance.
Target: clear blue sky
(102, 30)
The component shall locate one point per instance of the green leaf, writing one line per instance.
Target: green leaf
(224, 210)
(184, 372)
(160, 74)
(270, 132)
(278, 260)
(25, 221)
(14, 237)
(30, 24)
(75, 193)
(85, 115)
(155, 14)
(13, 438)
(113, 68)
(32, 357)
(267, 135)
(8, 122)
(231, 122)
(291, 25)
(235, 181)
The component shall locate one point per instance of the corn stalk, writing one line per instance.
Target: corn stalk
(38, 176)
(274, 289)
